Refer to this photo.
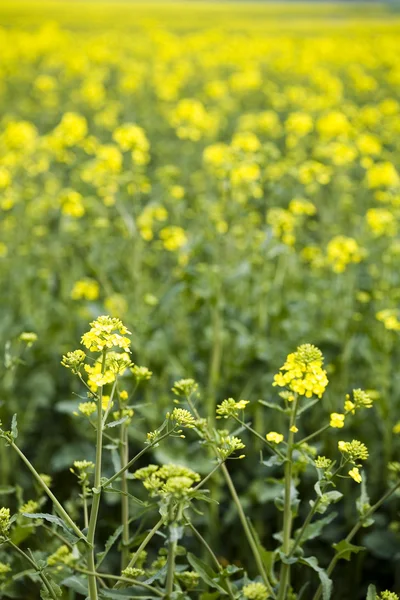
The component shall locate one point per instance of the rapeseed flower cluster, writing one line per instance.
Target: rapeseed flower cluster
(303, 372)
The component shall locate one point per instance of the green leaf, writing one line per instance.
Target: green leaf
(344, 549)
(267, 557)
(333, 496)
(371, 594)
(314, 529)
(116, 423)
(45, 594)
(76, 583)
(14, 428)
(6, 489)
(206, 573)
(326, 583)
(112, 490)
(272, 461)
(306, 405)
(109, 544)
(53, 519)
(274, 406)
(287, 561)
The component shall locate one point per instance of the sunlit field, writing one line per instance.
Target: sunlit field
(225, 179)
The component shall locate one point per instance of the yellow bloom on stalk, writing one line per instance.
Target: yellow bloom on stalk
(336, 420)
(341, 251)
(85, 289)
(396, 428)
(105, 401)
(333, 124)
(173, 238)
(382, 174)
(389, 317)
(294, 429)
(303, 372)
(274, 437)
(72, 204)
(355, 474)
(381, 222)
(106, 333)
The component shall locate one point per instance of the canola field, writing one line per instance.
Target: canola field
(223, 177)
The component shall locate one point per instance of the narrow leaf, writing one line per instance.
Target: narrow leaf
(326, 583)
(206, 573)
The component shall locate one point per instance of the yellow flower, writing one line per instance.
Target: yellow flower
(173, 238)
(274, 437)
(382, 174)
(337, 420)
(396, 428)
(87, 289)
(355, 474)
(303, 372)
(294, 429)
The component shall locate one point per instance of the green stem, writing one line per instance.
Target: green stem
(143, 545)
(122, 580)
(260, 437)
(211, 553)
(313, 435)
(355, 530)
(41, 574)
(287, 511)
(61, 511)
(304, 526)
(124, 455)
(172, 545)
(94, 512)
(247, 531)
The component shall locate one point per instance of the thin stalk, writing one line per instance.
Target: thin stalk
(172, 546)
(122, 580)
(94, 512)
(260, 437)
(207, 477)
(143, 545)
(61, 511)
(355, 530)
(304, 526)
(124, 457)
(85, 507)
(313, 435)
(247, 531)
(41, 574)
(313, 509)
(287, 511)
(211, 553)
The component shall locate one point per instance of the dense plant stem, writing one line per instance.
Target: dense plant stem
(124, 456)
(355, 530)
(247, 531)
(96, 491)
(41, 574)
(61, 511)
(287, 511)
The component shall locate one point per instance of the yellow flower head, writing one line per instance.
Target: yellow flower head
(337, 420)
(303, 372)
(355, 474)
(274, 437)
